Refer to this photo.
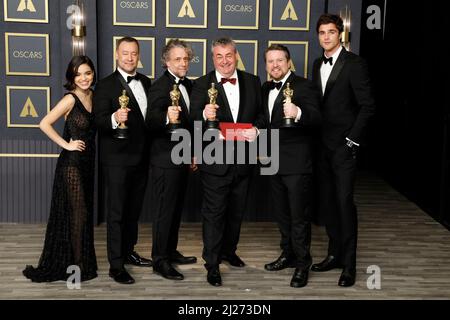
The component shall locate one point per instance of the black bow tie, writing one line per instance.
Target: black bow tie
(130, 78)
(326, 60)
(184, 82)
(273, 85)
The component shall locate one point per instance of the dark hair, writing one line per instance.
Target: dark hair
(278, 47)
(225, 41)
(330, 18)
(127, 39)
(175, 43)
(72, 70)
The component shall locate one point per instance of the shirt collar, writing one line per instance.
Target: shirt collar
(125, 74)
(219, 76)
(286, 76)
(176, 78)
(335, 55)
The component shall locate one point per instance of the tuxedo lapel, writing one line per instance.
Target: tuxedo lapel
(338, 65)
(265, 95)
(317, 76)
(242, 95)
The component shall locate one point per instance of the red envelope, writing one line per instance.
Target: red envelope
(232, 131)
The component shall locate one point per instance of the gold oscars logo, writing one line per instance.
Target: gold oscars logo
(186, 10)
(289, 12)
(293, 69)
(240, 63)
(26, 5)
(28, 110)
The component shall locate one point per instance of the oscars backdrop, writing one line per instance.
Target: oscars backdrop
(37, 45)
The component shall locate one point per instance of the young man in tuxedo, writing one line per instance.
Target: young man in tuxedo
(169, 180)
(124, 161)
(347, 105)
(290, 188)
(225, 186)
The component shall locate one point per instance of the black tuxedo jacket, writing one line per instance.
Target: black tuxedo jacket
(347, 103)
(120, 152)
(250, 108)
(159, 101)
(295, 144)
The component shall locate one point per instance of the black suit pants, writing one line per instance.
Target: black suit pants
(291, 200)
(336, 173)
(169, 189)
(124, 200)
(224, 201)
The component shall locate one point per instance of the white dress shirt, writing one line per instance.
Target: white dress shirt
(326, 68)
(139, 93)
(232, 93)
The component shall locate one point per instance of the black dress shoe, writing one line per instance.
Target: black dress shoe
(281, 263)
(233, 260)
(178, 258)
(329, 263)
(214, 277)
(136, 260)
(347, 278)
(121, 276)
(166, 270)
(300, 278)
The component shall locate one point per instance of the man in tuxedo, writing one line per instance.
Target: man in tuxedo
(290, 188)
(169, 180)
(225, 186)
(347, 105)
(124, 161)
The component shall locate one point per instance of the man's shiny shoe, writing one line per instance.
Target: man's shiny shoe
(135, 259)
(281, 263)
(233, 260)
(121, 276)
(178, 258)
(347, 278)
(329, 263)
(214, 277)
(166, 270)
(300, 278)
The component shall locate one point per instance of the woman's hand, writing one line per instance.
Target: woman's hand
(75, 145)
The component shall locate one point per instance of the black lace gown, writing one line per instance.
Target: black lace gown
(69, 239)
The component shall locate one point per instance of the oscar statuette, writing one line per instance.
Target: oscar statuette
(122, 129)
(288, 122)
(212, 123)
(175, 98)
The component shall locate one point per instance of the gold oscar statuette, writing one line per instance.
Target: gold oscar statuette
(122, 129)
(212, 94)
(288, 92)
(175, 102)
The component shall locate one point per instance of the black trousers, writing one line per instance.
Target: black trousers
(336, 174)
(169, 189)
(124, 200)
(291, 200)
(224, 201)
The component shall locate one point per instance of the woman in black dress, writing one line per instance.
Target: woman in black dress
(69, 238)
